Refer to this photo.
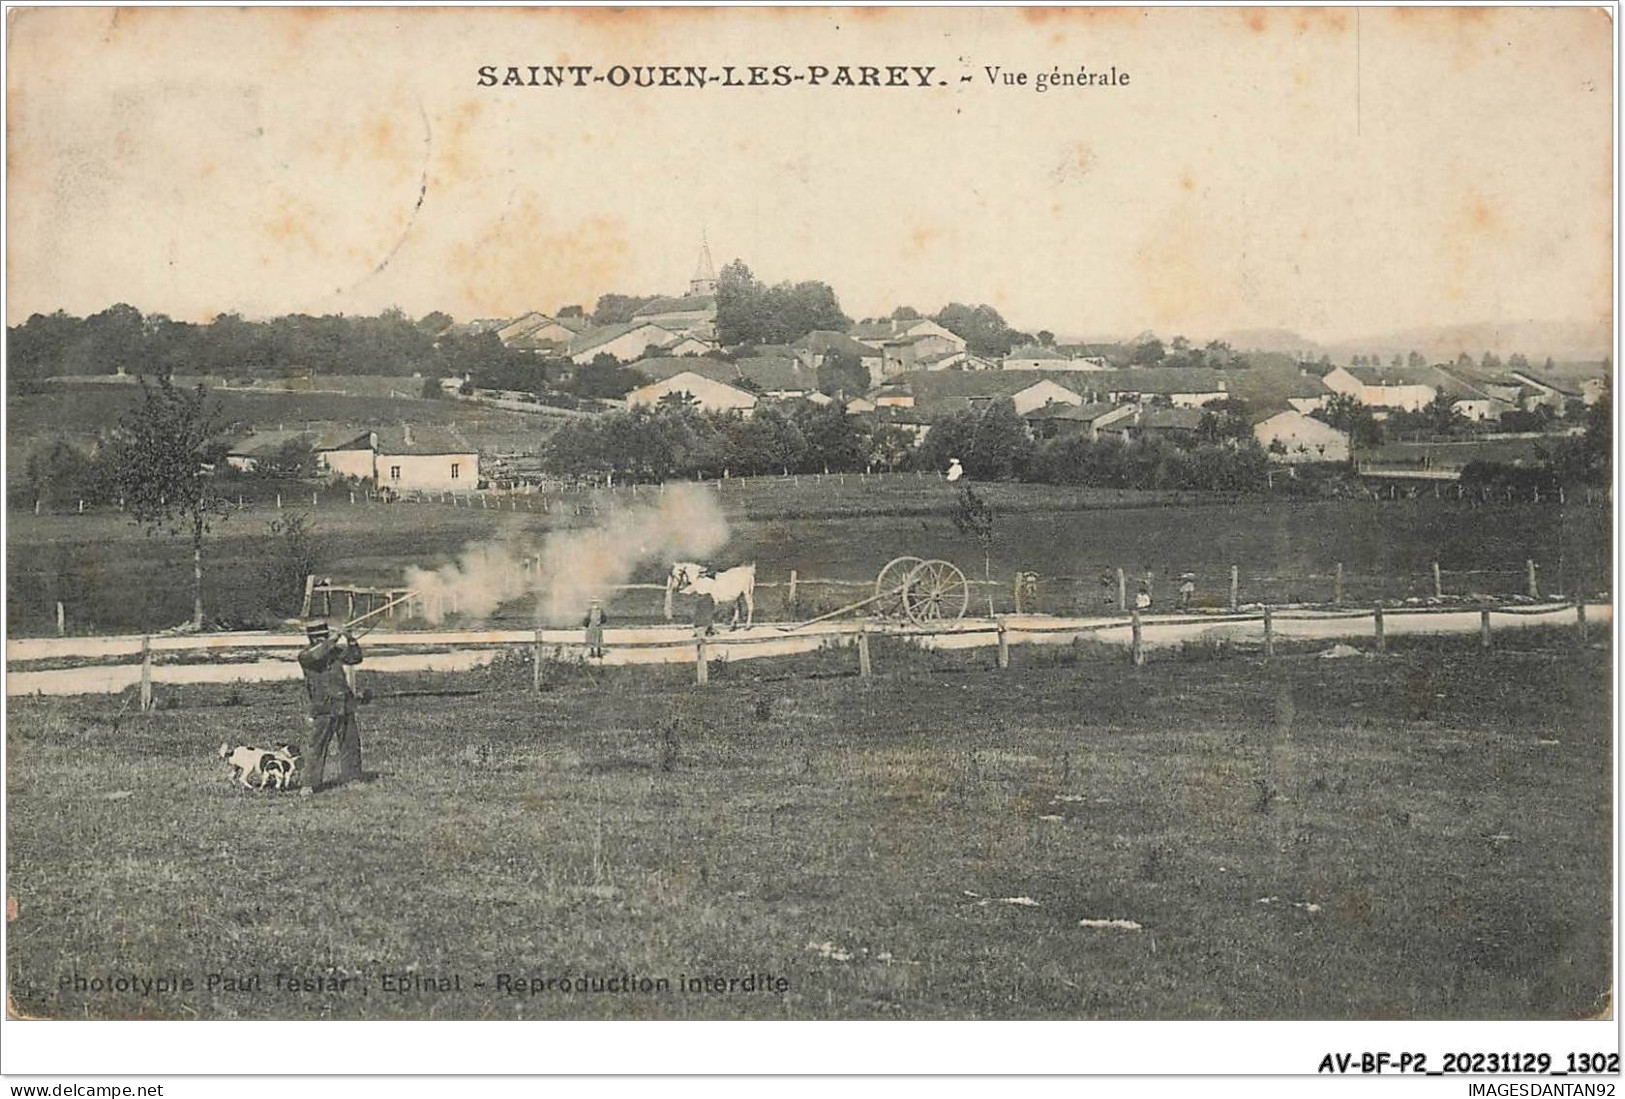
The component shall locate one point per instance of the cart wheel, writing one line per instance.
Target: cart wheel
(889, 585)
(936, 591)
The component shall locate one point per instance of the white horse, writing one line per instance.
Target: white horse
(731, 586)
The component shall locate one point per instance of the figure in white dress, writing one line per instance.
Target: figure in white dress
(955, 470)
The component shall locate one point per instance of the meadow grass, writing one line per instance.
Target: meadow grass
(113, 578)
(1422, 835)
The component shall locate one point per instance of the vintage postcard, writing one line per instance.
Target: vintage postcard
(1095, 514)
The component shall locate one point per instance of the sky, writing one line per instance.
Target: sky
(1336, 172)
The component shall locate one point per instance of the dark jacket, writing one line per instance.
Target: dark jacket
(323, 664)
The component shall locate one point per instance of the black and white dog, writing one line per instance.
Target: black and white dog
(273, 766)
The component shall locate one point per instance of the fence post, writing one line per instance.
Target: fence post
(1015, 593)
(1484, 628)
(1580, 618)
(864, 669)
(1337, 592)
(36, 505)
(792, 602)
(1004, 644)
(1269, 632)
(670, 587)
(146, 674)
(1382, 633)
(1235, 588)
(1438, 582)
(279, 501)
(702, 672)
(1137, 647)
(1122, 591)
(81, 507)
(1534, 586)
(313, 499)
(536, 663)
(61, 619)
(310, 585)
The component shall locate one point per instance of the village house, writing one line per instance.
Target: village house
(1058, 418)
(705, 393)
(542, 335)
(1292, 437)
(1179, 423)
(1548, 391)
(660, 367)
(818, 344)
(1482, 409)
(405, 458)
(624, 341)
(522, 324)
(942, 360)
(781, 377)
(1407, 389)
(691, 314)
(1183, 386)
(477, 327)
(932, 337)
(261, 450)
(1033, 357)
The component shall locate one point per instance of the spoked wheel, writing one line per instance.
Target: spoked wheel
(890, 583)
(936, 591)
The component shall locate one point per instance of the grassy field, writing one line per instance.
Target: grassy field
(112, 578)
(1425, 835)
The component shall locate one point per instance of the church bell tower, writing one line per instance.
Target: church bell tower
(705, 274)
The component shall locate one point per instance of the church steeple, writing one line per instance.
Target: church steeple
(705, 275)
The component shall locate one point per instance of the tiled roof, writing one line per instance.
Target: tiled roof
(822, 341)
(1059, 410)
(688, 303)
(774, 373)
(1033, 351)
(597, 337)
(392, 439)
(1171, 419)
(658, 368)
(1155, 379)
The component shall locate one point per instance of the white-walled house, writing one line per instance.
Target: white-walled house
(1042, 393)
(1033, 357)
(406, 458)
(1182, 386)
(1483, 408)
(1404, 388)
(1304, 439)
(708, 394)
(624, 341)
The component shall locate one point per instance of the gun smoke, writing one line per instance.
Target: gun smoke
(568, 569)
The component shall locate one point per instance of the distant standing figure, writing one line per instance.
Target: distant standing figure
(1108, 590)
(1142, 598)
(955, 470)
(595, 628)
(1187, 590)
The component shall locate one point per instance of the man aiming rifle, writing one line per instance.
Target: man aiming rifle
(332, 703)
